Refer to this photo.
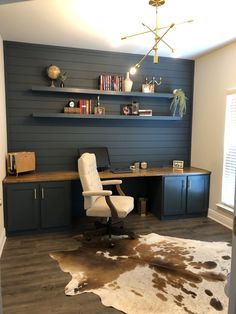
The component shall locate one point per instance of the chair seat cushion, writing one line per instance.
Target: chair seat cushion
(123, 204)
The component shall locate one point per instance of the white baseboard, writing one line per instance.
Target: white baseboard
(2, 240)
(221, 218)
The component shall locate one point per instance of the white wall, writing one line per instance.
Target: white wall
(215, 73)
(3, 142)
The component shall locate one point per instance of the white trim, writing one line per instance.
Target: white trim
(225, 207)
(221, 218)
(231, 91)
(2, 240)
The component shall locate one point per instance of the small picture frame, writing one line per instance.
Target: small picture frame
(99, 110)
(178, 164)
(135, 108)
(130, 109)
(148, 88)
(126, 110)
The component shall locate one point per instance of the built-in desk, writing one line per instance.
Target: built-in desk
(43, 200)
(74, 175)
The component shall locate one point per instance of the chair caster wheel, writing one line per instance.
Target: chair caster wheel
(87, 238)
(111, 245)
(132, 236)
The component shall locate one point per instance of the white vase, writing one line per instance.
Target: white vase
(127, 84)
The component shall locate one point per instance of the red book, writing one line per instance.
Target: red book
(87, 106)
(81, 106)
(101, 82)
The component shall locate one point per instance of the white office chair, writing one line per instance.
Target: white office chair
(101, 203)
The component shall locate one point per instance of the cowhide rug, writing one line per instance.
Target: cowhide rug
(151, 274)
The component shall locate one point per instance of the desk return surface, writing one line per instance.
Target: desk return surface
(45, 200)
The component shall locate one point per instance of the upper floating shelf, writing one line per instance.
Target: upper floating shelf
(74, 90)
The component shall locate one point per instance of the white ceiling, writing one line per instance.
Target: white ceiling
(100, 24)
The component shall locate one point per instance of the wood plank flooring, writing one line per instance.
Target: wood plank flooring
(33, 283)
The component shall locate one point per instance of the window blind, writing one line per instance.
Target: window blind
(229, 166)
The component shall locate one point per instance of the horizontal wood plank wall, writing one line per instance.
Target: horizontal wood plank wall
(56, 141)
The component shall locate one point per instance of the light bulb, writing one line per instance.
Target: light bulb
(133, 70)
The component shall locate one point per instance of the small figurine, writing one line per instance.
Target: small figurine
(62, 78)
(153, 82)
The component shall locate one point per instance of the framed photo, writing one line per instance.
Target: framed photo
(131, 109)
(126, 110)
(99, 110)
(135, 108)
(178, 164)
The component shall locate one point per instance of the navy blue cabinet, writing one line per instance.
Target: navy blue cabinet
(181, 196)
(21, 206)
(174, 195)
(36, 206)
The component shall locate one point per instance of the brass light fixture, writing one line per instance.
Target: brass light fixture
(157, 38)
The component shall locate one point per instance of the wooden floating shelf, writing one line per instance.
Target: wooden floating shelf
(73, 90)
(110, 117)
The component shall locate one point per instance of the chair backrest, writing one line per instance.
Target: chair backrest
(89, 177)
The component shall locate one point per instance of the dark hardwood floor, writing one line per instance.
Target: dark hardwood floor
(33, 283)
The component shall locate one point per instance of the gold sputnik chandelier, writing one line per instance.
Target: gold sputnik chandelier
(157, 37)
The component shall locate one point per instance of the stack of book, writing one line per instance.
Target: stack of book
(85, 106)
(110, 82)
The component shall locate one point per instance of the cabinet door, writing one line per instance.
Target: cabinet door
(174, 198)
(22, 207)
(55, 204)
(197, 194)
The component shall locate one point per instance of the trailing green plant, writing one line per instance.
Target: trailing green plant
(179, 101)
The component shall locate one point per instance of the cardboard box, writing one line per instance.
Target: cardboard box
(19, 162)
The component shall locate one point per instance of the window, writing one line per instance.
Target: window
(229, 166)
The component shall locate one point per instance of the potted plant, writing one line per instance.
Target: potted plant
(179, 100)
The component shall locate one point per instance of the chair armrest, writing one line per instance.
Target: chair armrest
(116, 182)
(97, 193)
(111, 182)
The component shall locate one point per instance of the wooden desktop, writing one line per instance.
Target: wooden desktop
(74, 175)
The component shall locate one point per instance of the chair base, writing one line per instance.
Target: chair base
(109, 228)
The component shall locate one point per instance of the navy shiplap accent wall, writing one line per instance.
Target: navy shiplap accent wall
(56, 141)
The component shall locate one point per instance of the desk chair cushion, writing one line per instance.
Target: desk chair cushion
(89, 177)
(123, 204)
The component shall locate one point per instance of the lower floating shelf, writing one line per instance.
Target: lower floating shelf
(110, 117)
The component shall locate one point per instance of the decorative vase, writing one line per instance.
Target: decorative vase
(127, 84)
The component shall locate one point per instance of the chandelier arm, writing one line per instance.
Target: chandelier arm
(137, 34)
(157, 41)
(171, 48)
(144, 57)
(153, 31)
(176, 24)
(150, 30)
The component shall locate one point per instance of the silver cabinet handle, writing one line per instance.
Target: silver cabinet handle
(189, 184)
(183, 184)
(35, 194)
(42, 193)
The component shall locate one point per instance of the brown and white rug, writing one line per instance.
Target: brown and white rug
(151, 274)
